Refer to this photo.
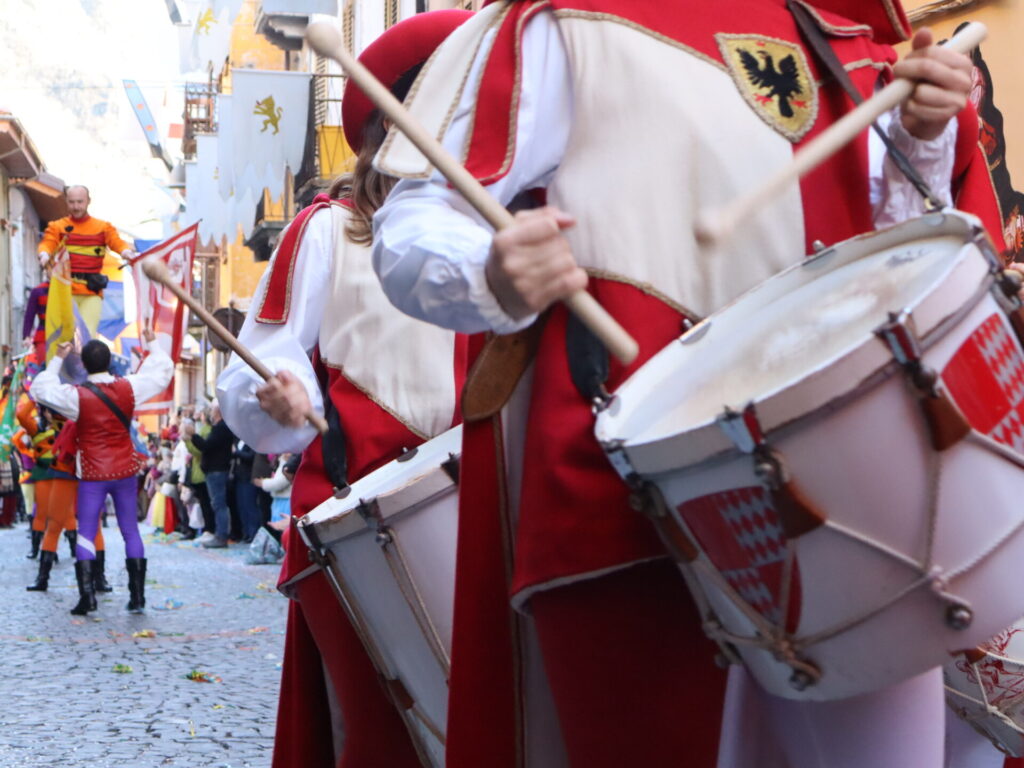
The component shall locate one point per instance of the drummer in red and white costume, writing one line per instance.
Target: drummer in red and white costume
(391, 382)
(635, 115)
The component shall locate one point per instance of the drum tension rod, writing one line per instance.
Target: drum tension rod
(797, 514)
(946, 425)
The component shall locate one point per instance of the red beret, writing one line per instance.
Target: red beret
(401, 47)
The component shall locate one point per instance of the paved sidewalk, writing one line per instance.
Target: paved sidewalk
(63, 704)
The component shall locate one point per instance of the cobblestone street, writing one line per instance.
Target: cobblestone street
(111, 690)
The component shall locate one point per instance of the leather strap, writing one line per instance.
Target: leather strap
(589, 362)
(819, 45)
(333, 447)
(496, 372)
(125, 422)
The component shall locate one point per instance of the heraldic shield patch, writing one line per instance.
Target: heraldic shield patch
(775, 79)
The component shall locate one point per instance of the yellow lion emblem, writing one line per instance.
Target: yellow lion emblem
(205, 22)
(270, 112)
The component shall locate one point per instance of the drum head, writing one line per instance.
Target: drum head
(783, 331)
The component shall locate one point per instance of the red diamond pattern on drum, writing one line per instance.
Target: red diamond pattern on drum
(986, 380)
(740, 531)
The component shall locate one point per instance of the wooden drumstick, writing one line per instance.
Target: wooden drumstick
(712, 228)
(156, 270)
(326, 40)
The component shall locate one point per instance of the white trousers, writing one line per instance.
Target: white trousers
(966, 748)
(903, 726)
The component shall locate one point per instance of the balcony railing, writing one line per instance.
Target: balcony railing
(200, 114)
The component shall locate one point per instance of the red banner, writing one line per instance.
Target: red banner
(159, 310)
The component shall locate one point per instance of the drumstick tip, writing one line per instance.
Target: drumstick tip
(708, 229)
(154, 269)
(324, 37)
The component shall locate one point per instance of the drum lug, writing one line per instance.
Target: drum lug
(959, 617)
(602, 401)
(369, 510)
(1010, 282)
(742, 428)
(615, 450)
(384, 537)
(801, 680)
(407, 453)
(451, 468)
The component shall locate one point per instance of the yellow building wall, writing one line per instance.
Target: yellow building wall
(239, 275)
(1005, 22)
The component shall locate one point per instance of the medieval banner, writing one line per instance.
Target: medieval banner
(160, 310)
(269, 112)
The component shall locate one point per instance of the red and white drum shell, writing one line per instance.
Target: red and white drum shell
(985, 688)
(916, 552)
(389, 548)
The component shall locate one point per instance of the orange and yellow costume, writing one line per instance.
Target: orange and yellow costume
(86, 242)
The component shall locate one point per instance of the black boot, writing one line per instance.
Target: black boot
(43, 579)
(86, 588)
(136, 583)
(37, 539)
(99, 573)
(72, 537)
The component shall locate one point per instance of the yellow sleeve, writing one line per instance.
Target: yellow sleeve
(51, 238)
(114, 241)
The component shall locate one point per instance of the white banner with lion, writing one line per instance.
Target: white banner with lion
(269, 113)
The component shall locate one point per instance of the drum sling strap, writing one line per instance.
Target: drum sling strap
(819, 45)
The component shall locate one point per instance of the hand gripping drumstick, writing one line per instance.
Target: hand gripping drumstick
(326, 40)
(715, 227)
(156, 270)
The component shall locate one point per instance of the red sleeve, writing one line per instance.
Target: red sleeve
(973, 189)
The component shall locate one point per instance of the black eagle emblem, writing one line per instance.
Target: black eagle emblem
(784, 82)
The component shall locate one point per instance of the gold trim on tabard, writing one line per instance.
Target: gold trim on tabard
(775, 79)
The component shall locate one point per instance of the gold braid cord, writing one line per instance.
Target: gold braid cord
(926, 12)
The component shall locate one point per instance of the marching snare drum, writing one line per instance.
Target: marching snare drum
(985, 687)
(835, 460)
(388, 547)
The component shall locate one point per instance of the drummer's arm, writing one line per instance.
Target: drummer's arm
(923, 128)
(434, 253)
(284, 348)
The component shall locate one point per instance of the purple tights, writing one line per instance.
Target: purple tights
(91, 496)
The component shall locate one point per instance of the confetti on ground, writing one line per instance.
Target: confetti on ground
(144, 633)
(191, 729)
(245, 596)
(115, 634)
(256, 630)
(199, 676)
(77, 622)
(38, 639)
(217, 706)
(96, 619)
(170, 605)
(172, 634)
(265, 586)
(122, 669)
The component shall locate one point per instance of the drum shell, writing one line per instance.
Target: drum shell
(997, 679)
(389, 550)
(875, 480)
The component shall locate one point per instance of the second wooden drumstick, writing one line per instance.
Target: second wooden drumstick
(156, 270)
(714, 227)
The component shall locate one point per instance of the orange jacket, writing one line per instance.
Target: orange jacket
(86, 242)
